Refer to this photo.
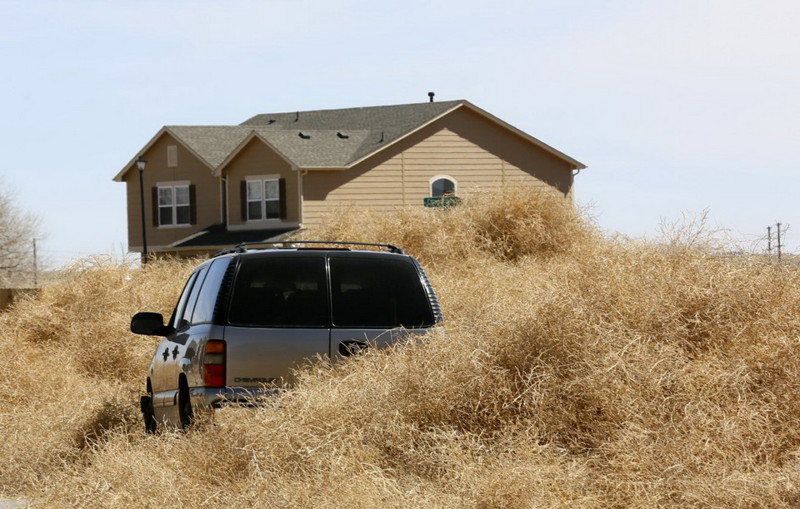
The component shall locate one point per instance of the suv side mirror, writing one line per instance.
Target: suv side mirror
(149, 324)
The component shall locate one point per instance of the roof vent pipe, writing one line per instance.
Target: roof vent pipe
(382, 133)
(431, 94)
(297, 116)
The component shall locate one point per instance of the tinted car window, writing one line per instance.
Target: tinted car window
(279, 291)
(377, 293)
(207, 299)
(177, 313)
(198, 283)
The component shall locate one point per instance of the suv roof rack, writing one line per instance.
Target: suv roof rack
(289, 244)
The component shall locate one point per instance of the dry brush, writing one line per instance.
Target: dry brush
(574, 371)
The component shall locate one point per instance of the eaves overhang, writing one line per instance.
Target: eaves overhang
(539, 143)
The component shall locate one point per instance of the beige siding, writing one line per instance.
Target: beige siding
(255, 159)
(189, 168)
(381, 188)
(465, 146)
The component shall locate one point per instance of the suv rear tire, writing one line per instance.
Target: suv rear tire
(185, 412)
(150, 423)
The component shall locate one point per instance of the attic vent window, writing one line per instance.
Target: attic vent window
(303, 135)
(342, 135)
(172, 156)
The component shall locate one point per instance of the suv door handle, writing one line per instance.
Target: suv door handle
(352, 347)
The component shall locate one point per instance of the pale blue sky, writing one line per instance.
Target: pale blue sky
(675, 105)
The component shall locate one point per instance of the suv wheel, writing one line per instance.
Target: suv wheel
(185, 412)
(150, 424)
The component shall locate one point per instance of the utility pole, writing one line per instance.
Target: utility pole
(769, 239)
(779, 243)
(35, 266)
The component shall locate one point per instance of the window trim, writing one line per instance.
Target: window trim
(442, 177)
(262, 179)
(173, 206)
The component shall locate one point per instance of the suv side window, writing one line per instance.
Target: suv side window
(177, 313)
(277, 291)
(207, 299)
(377, 293)
(192, 300)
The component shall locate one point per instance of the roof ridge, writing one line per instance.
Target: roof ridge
(456, 101)
(206, 125)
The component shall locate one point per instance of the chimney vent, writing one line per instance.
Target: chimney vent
(431, 94)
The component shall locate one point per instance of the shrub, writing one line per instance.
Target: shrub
(574, 371)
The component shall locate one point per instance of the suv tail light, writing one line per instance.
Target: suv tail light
(214, 364)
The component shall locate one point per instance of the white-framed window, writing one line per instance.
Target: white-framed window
(174, 205)
(443, 185)
(263, 198)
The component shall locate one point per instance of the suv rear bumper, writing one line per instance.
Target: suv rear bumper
(217, 397)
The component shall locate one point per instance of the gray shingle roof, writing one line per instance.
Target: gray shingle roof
(374, 127)
(318, 148)
(330, 138)
(323, 138)
(211, 143)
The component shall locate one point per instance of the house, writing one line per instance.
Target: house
(208, 187)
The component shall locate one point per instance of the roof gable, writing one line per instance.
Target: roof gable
(210, 144)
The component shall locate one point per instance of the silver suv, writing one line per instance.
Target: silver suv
(248, 316)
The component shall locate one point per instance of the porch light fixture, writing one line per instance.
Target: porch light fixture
(141, 162)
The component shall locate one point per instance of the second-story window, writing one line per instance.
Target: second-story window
(263, 199)
(174, 205)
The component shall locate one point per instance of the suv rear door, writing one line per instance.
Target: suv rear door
(375, 299)
(278, 317)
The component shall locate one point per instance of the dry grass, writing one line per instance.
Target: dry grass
(576, 371)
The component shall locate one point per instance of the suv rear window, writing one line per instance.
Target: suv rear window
(280, 292)
(377, 293)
